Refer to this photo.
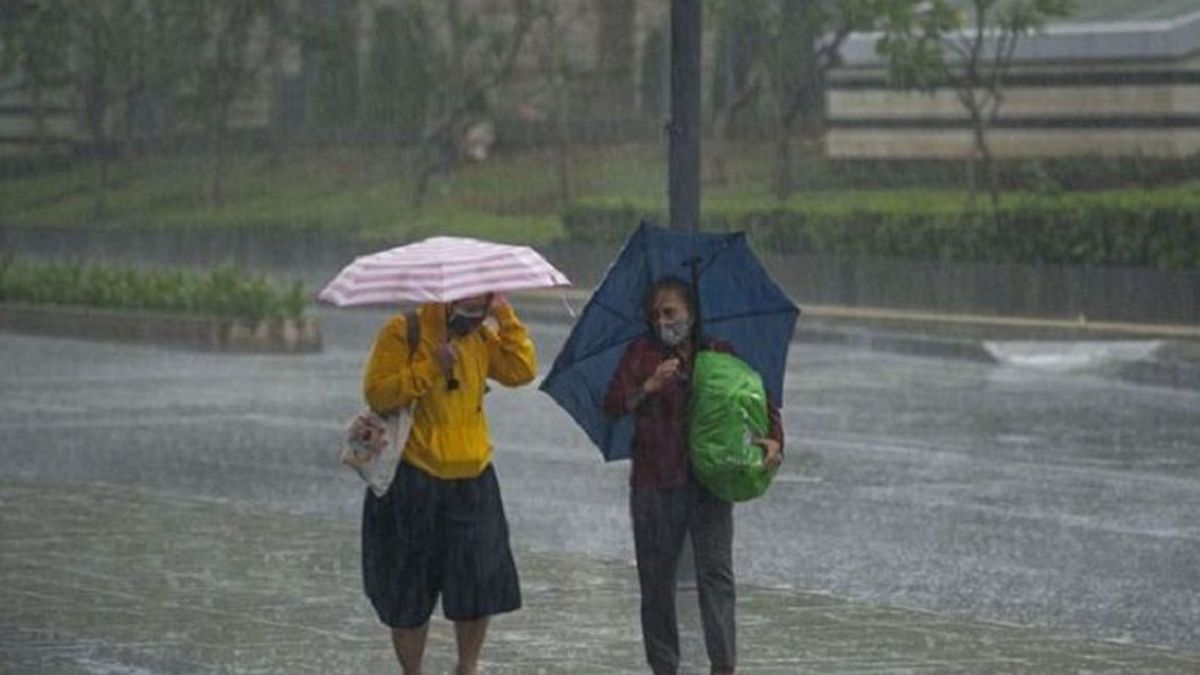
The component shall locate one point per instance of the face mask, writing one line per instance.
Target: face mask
(463, 321)
(673, 334)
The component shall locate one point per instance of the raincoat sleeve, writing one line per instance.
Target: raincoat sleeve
(776, 431)
(626, 383)
(512, 360)
(392, 379)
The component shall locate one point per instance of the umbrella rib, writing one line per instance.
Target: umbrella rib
(597, 351)
(603, 348)
(747, 315)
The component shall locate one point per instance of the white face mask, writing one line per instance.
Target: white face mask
(674, 333)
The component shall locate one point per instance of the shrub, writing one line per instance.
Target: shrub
(1136, 228)
(224, 292)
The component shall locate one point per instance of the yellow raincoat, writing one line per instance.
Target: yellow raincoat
(449, 437)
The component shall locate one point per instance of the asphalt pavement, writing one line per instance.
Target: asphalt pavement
(168, 511)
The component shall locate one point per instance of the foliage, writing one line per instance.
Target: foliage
(1138, 228)
(470, 60)
(334, 97)
(970, 53)
(400, 77)
(654, 71)
(787, 49)
(224, 292)
(33, 41)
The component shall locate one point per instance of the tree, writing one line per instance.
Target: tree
(112, 55)
(400, 81)
(733, 87)
(236, 41)
(33, 39)
(797, 43)
(981, 46)
(655, 73)
(615, 50)
(554, 62)
(333, 43)
(471, 61)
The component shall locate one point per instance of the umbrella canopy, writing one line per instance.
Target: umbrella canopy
(739, 303)
(440, 269)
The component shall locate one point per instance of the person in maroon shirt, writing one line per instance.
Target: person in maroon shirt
(666, 501)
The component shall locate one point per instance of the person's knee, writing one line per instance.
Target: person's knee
(715, 567)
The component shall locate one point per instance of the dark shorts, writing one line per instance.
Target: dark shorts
(428, 537)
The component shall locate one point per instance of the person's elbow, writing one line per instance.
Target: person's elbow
(614, 404)
(517, 373)
(379, 395)
(520, 377)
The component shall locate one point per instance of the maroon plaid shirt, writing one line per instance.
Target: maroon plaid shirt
(660, 452)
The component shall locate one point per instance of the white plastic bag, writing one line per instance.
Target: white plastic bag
(374, 445)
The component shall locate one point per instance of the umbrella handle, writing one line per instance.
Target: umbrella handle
(697, 337)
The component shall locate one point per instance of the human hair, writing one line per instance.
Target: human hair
(672, 284)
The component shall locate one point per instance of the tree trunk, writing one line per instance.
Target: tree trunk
(983, 155)
(732, 90)
(616, 51)
(220, 159)
(810, 101)
(801, 95)
(783, 162)
(565, 180)
(562, 114)
(432, 158)
(100, 197)
(39, 117)
(95, 106)
(722, 143)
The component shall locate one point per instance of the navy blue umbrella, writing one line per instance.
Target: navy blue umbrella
(739, 303)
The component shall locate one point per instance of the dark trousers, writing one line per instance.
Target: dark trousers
(661, 518)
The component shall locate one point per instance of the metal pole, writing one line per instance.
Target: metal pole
(684, 129)
(683, 174)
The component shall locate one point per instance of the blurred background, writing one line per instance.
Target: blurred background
(1033, 158)
(989, 211)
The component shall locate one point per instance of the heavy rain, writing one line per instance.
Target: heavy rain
(220, 221)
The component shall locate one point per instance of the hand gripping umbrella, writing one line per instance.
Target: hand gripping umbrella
(738, 303)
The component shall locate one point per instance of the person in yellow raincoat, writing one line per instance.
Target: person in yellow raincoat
(440, 530)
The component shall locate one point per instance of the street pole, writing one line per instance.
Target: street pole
(683, 168)
(684, 128)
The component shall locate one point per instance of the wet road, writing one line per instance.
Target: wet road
(1038, 497)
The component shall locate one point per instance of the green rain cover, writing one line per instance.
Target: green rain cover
(728, 407)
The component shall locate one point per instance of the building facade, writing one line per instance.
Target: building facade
(1112, 88)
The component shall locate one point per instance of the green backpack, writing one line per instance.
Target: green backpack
(728, 408)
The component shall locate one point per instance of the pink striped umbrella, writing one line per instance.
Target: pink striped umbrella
(440, 269)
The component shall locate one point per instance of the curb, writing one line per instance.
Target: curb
(897, 343)
(283, 336)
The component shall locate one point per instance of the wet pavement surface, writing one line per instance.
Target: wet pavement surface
(168, 511)
(113, 580)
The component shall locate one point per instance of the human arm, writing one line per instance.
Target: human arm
(625, 392)
(394, 377)
(512, 358)
(772, 443)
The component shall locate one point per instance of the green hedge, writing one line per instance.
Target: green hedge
(1084, 173)
(1158, 229)
(225, 292)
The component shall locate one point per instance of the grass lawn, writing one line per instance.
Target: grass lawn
(511, 198)
(367, 193)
